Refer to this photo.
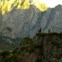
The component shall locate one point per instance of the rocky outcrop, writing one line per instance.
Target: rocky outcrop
(22, 23)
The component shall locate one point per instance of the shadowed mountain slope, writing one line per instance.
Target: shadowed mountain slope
(43, 47)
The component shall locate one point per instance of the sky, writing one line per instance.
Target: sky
(52, 3)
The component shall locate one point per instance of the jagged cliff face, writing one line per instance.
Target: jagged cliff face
(21, 23)
(8, 5)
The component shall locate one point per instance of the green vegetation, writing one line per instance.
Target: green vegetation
(43, 47)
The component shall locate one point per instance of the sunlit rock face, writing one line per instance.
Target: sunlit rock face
(21, 23)
(8, 5)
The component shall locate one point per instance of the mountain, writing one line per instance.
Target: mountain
(22, 23)
(43, 47)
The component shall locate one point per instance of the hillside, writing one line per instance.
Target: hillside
(43, 47)
(7, 43)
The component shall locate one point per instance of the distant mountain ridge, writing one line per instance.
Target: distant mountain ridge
(22, 23)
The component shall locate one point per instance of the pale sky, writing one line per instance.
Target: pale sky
(52, 3)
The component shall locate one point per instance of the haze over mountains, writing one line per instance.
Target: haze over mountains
(22, 23)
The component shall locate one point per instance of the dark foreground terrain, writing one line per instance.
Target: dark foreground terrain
(43, 47)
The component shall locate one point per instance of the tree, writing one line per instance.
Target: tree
(49, 31)
(40, 30)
